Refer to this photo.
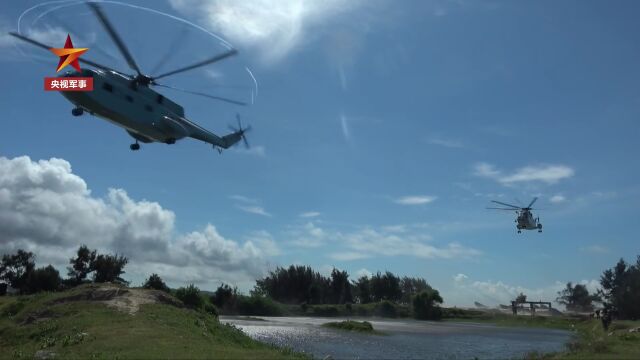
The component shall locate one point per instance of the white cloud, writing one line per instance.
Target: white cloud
(345, 127)
(243, 199)
(459, 278)
(274, 27)
(595, 249)
(363, 272)
(493, 293)
(47, 209)
(308, 236)
(549, 174)
(348, 256)
(450, 143)
(370, 242)
(254, 209)
(557, 198)
(309, 214)
(415, 200)
(259, 150)
(249, 205)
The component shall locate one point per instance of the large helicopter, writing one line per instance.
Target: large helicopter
(525, 218)
(129, 101)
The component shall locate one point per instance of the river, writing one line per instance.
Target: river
(403, 339)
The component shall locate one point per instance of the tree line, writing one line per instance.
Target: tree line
(619, 293)
(18, 271)
(299, 284)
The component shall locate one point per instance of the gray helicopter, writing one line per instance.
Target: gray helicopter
(128, 101)
(525, 218)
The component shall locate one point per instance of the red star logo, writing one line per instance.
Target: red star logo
(68, 55)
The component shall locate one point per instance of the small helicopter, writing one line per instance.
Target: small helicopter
(525, 218)
(129, 102)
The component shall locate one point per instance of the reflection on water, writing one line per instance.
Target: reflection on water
(404, 339)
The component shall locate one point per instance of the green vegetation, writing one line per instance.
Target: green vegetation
(577, 298)
(155, 282)
(621, 290)
(71, 325)
(350, 325)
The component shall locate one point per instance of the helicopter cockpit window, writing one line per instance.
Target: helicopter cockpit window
(107, 87)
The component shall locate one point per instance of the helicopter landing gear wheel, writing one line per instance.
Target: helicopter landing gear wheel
(519, 231)
(77, 111)
(135, 146)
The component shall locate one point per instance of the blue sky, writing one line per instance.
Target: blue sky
(381, 131)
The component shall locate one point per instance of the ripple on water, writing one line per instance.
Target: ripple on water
(455, 342)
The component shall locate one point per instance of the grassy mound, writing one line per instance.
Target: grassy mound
(113, 322)
(350, 325)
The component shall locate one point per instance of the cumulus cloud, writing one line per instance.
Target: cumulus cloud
(557, 198)
(498, 292)
(274, 27)
(371, 242)
(415, 200)
(549, 174)
(460, 278)
(308, 235)
(47, 209)
(363, 272)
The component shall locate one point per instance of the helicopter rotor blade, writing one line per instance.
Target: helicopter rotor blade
(235, 102)
(532, 201)
(43, 46)
(78, 34)
(216, 58)
(178, 41)
(505, 204)
(492, 208)
(114, 36)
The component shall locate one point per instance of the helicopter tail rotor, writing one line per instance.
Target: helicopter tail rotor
(240, 131)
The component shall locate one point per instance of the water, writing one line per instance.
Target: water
(404, 339)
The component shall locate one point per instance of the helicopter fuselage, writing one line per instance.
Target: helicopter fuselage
(145, 114)
(526, 221)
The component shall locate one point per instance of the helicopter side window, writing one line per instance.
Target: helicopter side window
(160, 99)
(106, 86)
(148, 108)
(129, 98)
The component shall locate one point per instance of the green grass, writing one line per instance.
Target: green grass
(350, 325)
(91, 330)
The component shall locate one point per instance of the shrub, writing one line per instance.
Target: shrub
(210, 309)
(258, 305)
(424, 305)
(108, 268)
(43, 279)
(155, 282)
(325, 310)
(190, 296)
(386, 309)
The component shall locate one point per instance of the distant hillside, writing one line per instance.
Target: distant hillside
(109, 321)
